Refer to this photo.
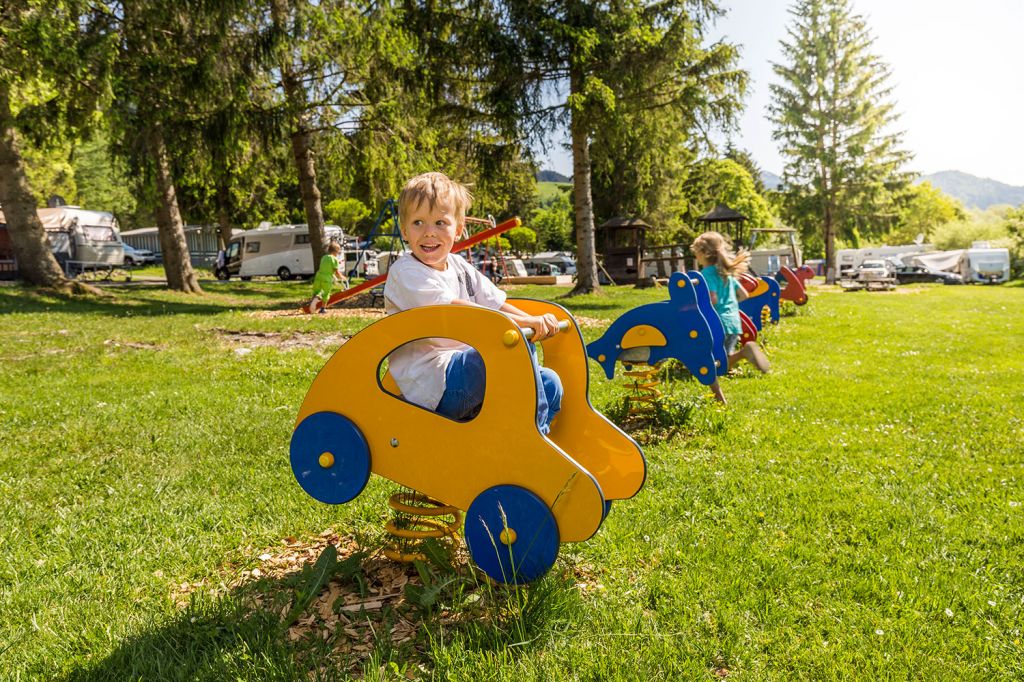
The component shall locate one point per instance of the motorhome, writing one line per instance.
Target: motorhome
(991, 266)
(278, 250)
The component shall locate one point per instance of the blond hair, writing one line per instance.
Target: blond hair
(333, 247)
(437, 189)
(717, 251)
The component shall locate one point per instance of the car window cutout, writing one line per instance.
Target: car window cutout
(387, 382)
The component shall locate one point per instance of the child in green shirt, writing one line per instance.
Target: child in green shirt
(323, 282)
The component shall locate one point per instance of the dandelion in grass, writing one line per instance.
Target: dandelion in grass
(949, 613)
(879, 632)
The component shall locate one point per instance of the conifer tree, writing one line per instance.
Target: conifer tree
(833, 114)
(624, 63)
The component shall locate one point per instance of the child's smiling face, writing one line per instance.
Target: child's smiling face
(431, 233)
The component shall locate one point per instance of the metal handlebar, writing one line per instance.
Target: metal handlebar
(527, 332)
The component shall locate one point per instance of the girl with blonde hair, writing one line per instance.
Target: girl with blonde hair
(720, 266)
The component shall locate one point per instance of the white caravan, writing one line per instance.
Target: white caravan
(280, 250)
(82, 239)
(991, 266)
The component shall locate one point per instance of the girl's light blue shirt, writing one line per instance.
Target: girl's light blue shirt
(728, 306)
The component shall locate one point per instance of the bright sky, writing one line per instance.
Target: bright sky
(957, 77)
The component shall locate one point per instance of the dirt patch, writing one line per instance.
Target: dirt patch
(333, 590)
(131, 345)
(590, 322)
(245, 340)
(372, 313)
(360, 603)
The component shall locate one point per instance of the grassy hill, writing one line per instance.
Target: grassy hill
(548, 190)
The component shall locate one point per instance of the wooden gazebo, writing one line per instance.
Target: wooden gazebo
(732, 219)
(621, 242)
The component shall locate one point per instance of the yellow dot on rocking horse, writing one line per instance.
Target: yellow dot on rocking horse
(693, 333)
(510, 338)
(703, 370)
(326, 460)
(601, 358)
(682, 282)
(507, 536)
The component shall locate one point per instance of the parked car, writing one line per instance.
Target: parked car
(875, 271)
(133, 256)
(916, 273)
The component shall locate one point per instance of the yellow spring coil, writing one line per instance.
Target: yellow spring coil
(642, 381)
(418, 517)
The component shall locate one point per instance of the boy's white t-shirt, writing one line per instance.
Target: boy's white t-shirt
(419, 367)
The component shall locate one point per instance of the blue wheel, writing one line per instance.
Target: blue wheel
(330, 457)
(511, 534)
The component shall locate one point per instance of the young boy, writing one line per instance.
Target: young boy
(323, 282)
(445, 375)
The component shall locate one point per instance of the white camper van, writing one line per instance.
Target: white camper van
(991, 266)
(279, 250)
(82, 239)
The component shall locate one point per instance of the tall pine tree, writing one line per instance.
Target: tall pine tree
(833, 114)
(632, 64)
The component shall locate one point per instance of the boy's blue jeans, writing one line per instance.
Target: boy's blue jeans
(465, 382)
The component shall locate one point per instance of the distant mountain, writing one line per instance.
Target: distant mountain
(552, 176)
(770, 180)
(974, 191)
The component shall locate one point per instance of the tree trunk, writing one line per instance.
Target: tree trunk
(304, 162)
(829, 235)
(586, 251)
(223, 212)
(36, 264)
(301, 137)
(177, 260)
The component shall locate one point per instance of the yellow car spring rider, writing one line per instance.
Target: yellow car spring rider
(523, 493)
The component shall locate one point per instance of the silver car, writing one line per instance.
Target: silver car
(133, 256)
(875, 271)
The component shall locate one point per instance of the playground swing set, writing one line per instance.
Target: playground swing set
(526, 493)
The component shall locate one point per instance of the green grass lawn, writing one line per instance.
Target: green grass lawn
(857, 513)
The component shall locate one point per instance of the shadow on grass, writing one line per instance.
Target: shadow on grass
(250, 632)
(133, 303)
(210, 640)
(580, 306)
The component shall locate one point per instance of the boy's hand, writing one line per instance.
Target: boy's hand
(543, 326)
